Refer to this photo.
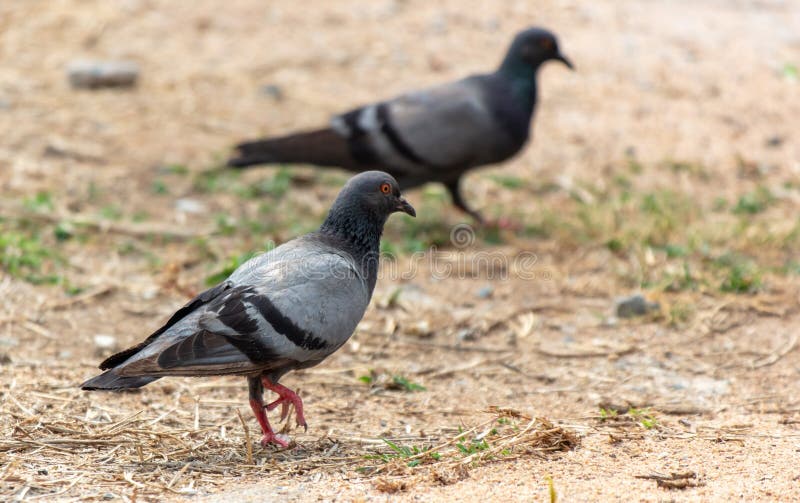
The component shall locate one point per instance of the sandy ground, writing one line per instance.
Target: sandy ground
(695, 103)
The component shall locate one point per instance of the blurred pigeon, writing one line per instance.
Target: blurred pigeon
(286, 309)
(432, 135)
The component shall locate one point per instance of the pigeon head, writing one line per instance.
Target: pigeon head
(362, 207)
(377, 193)
(371, 195)
(533, 47)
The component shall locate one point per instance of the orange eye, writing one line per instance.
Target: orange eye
(546, 43)
(386, 188)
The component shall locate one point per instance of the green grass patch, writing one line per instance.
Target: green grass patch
(406, 385)
(63, 231)
(606, 414)
(225, 224)
(680, 313)
(26, 255)
(472, 447)
(93, 192)
(435, 193)
(633, 165)
(111, 212)
(42, 202)
(644, 417)
(275, 185)
(22, 255)
(160, 187)
(216, 180)
(791, 72)
(176, 169)
(740, 275)
(682, 282)
(411, 235)
(140, 216)
(675, 251)
(754, 202)
(508, 181)
(402, 452)
(692, 168)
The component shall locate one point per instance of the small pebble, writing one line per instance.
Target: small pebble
(9, 341)
(103, 342)
(611, 321)
(190, 206)
(421, 328)
(634, 306)
(87, 74)
(774, 141)
(272, 91)
(465, 334)
(568, 329)
(484, 292)
(150, 293)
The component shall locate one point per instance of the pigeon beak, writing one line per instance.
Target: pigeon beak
(402, 205)
(563, 59)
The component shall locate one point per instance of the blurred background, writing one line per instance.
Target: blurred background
(667, 166)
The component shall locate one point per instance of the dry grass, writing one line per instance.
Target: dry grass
(59, 443)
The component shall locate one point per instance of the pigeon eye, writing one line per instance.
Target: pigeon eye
(385, 188)
(546, 44)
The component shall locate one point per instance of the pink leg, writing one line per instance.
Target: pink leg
(285, 397)
(257, 404)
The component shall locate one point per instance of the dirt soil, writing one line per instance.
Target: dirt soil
(668, 164)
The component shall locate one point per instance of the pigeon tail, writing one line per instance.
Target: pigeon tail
(110, 380)
(322, 147)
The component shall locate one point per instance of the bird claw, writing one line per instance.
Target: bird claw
(272, 438)
(269, 435)
(283, 402)
(286, 399)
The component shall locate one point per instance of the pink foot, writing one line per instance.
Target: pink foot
(285, 398)
(272, 438)
(269, 436)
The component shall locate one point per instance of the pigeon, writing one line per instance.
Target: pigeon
(287, 309)
(432, 135)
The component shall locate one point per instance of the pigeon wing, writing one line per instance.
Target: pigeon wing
(291, 311)
(430, 134)
(202, 299)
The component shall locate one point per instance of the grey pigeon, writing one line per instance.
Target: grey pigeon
(433, 135)
(286, 309)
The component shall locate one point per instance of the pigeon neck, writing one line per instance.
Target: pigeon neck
(522, 76)
(360, 232)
